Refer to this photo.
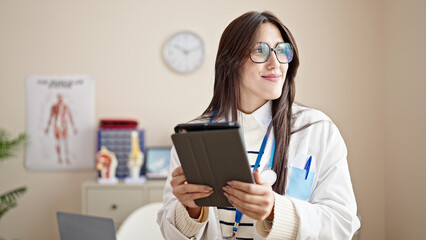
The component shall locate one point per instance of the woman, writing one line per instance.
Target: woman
(312, 196)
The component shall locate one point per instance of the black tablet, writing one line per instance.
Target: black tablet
(192, 127)
(212, 154)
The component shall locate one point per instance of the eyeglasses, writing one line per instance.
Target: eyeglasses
(262, 51)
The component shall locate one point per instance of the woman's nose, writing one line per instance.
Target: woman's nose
(273, 60)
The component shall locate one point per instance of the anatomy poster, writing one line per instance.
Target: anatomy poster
(60, 123)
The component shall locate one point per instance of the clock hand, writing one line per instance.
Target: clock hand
(195, 48)
(181, 49)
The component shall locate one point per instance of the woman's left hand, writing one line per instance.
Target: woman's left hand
(253, 200)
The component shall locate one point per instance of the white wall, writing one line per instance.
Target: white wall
(118, 43)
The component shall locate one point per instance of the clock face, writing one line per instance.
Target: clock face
(184, 52)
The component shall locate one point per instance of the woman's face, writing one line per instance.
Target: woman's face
(261, 82)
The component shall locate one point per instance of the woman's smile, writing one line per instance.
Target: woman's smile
(272, 77)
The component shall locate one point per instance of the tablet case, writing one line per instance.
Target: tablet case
(212, 158)
(191, 127)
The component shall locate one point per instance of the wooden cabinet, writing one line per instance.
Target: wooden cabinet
(117, 201)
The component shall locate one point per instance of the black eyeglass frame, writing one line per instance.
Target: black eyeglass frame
(275, 51)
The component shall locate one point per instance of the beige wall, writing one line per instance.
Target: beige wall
(346, 70)
(406, 117)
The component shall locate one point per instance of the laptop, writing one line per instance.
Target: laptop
(83, 227)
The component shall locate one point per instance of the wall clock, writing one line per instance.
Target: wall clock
(184, 52)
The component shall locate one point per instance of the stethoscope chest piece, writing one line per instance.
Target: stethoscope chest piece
(270, 176)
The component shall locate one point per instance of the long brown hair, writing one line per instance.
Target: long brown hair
(234, 50)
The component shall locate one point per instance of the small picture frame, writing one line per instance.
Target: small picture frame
(157, 160)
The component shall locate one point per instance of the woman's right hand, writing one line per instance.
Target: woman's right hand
(186, 193)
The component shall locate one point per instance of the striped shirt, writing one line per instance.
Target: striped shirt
(253, 133)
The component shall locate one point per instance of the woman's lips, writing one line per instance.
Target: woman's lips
(272, 77)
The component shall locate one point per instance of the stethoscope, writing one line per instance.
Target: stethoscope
(269, 175)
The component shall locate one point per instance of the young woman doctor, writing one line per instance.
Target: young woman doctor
(303, 188)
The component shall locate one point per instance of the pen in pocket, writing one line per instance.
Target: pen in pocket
(308, 167)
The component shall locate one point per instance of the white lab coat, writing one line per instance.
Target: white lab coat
(325, 202)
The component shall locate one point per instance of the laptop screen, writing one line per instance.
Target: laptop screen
(83, 227)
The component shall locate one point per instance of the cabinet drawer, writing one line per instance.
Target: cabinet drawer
(114, 203)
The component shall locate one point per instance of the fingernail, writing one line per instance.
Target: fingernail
(226, 188)
(208, 188)
(230, 183)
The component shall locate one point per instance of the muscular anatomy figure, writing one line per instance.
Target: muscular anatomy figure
(60, 114)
